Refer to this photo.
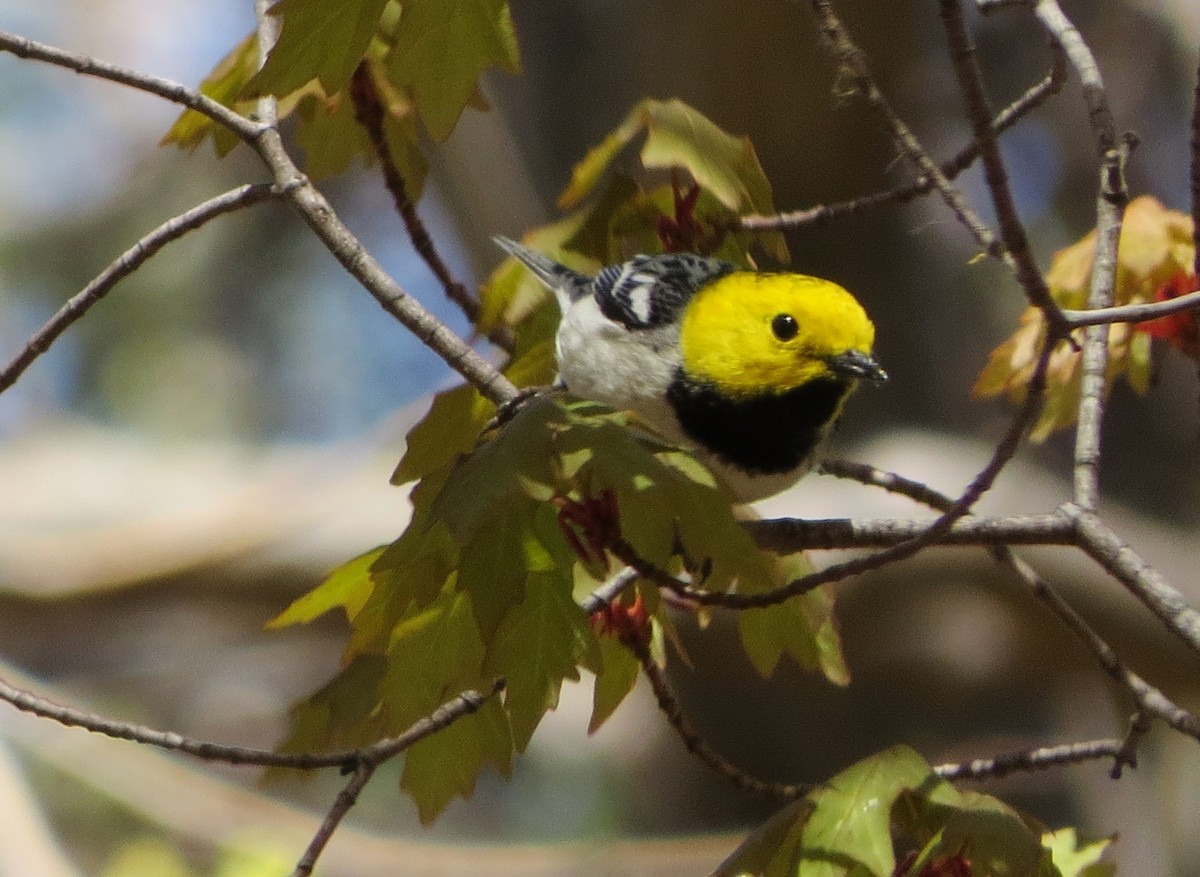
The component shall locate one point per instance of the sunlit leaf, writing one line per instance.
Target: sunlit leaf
(446, 764)
(540, 643)
(320, 39)
(1073, 860)
(678, 136)
(617, 677)
(441, 47)
(434, 653)
(223, 85)
(1156, 245)
(347, 587)
(451, 427)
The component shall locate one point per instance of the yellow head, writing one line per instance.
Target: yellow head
(751, 334)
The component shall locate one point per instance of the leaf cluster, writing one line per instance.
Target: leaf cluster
(485, 582)
(1156, 246)
(890, 814)
(424, 58)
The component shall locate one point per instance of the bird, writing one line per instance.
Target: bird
(748, 370)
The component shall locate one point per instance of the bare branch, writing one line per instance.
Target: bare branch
(1133, 313)
(306, 200)
(789, 535)
(609, 591)
(125, 264)
(85, 65)
(695, 744)
(853, 66)
(371, 757)
(345, 799)
(369, 111)
(1065, 34)
(1110, 208)
(319, 215)
(1042, 758)
(377, 752)
(1034, 97)
(1012, 230)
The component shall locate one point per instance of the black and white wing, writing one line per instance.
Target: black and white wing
(650, 291)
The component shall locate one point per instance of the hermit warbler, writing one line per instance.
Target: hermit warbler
(749, 370)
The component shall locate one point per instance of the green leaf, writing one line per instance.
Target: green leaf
(841, 828)
(1073, 860)
(434, 653)
(802, 628)
(540, 644)
(614, 682)
(320, 39)
(679, 136)
(480, 485)
(447, 764)
(330, 135)
(344, 713)
(441, 47)
(767, 851)
(409, 574)
(223, 85)
(849, 828)
(995, 838)
(450, 428)
(347, 587)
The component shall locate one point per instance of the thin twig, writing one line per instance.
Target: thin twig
(1132, 313)
(1012, 230)
(369, 111)
(1065, 34)
(695, 744)
(125, 264)
(308, 202)
(1034, 97)
(1042, 758)
(345, 799)
(852, 64)
(85, 65)
(1148, 698)
(27, 701)
(371, 757)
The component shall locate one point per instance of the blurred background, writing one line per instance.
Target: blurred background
(218, 433)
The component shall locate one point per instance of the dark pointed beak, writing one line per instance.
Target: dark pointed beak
(857, 365)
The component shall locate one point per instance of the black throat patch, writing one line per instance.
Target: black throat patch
(764, 435)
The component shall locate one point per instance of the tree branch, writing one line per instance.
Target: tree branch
(307, 201)
(1042, 758)
(371, 757)
(27, 701)
(1034, 97)
(85, 65)
(853, 66)
(1132, 313)
(369, 111)
(1102, 545)
(1012, 230)
(125, 264)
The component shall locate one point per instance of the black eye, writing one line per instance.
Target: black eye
(785, 327)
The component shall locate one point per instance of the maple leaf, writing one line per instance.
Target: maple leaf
(1156, 245)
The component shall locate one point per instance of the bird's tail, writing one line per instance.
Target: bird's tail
(567, 285)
